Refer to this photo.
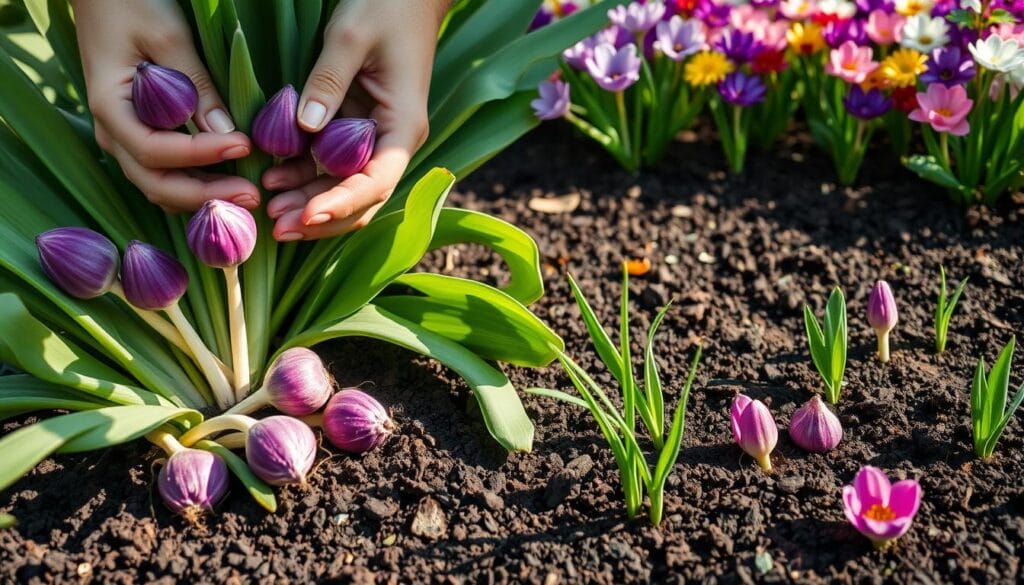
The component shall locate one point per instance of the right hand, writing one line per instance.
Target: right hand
(113, 37)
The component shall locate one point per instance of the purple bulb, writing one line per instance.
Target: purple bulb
(814, 427)
(882, 313)
(297, 383)
(83, 263)
(152, 278)
(275, 130)
(355, 422)
(344, 146)
(280, 450)
(221, 234)
(163, 98)
(192, 482)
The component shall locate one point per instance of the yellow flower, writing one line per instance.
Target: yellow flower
(875, 80)
(912, 7)
(707, 67)
(805, 38)
(901, 67)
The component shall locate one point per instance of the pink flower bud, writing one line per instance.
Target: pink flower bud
(814, 427)
(152, 278)
(83, 263)
(221, 234)
(344, 146)
(163, 98)
(355, 422)
(754, 429)
(882, 314)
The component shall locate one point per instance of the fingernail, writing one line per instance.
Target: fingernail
(220, 121)
(245, 201)
(319, 219)
(313, 115)
(234, 152)
(289, 237)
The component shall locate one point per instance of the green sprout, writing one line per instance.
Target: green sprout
(944, 309)
(619, 425)
(828, 344)
(989, 413)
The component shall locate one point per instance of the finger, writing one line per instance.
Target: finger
(339, 62)
(289, 227)
(285, 202)
(179, 190)
(290, 174)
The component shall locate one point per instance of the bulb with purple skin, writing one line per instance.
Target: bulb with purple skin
(882, 315)
(82, 262)
(275, 129)
(814, 427)
(192, 482)
(163, 98)
(355, 422)
(344, 146)
(297, 384)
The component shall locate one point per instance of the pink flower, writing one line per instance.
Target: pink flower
(1009, 31)
(945, 108)
(878, 509)
(850, 62)
(884, 28)
(754, 429)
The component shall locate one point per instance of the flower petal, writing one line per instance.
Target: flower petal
(872, 486)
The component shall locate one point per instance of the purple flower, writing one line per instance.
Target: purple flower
(576, 56)
(614, 69)
(738, 46)
(714, 15)
(839, 31)
(541, 19)
(866, 104)
(866, 6)
(1014, 7)
(553, 101)
(764, 3)
(679, 38)
(741, 89)
(614, 34)
(636, 17)
(949, 66)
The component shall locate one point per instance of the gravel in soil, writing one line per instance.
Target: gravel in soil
(740, 255)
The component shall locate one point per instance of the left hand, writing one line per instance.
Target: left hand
(376, 63)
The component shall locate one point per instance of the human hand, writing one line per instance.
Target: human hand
(113, 37)
(376, 63)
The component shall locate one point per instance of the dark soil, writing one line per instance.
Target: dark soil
(440, 503)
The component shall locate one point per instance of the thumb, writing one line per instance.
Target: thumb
(211, 113)
(327, 84)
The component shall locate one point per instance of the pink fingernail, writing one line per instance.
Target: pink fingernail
(289, 237)
(245, 201)
(234, 152)
(319, 219)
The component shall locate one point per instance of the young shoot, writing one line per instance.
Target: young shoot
(828, 343)
(989, 412)
(944, 309)
(619, 424)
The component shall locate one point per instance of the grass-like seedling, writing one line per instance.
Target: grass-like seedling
(989, 413)
(619, 425)
(828, 343)
(944, 309)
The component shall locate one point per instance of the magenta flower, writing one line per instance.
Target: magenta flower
(740, 89)
(945, 108)
(754, 429)
(880, 510)
(553, 102)
(850, 62)
(885, 28)
(614, 69)
(679, 38)
(636, 17)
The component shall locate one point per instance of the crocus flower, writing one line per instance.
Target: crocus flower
(882, 316)
(902, 67)
(805, 38)
(737, 45)
(798, 9)
(772, 36)
(678, 38)
(576, 56)
(912, 7)
(713, 14)
(838, 32)
(945, 108)
(866, 104)
(850, 62)
(925, 34)
(740, 89)
(553, 102)
(996, 54)
(878, 509)
(884, 28)
(614, 69)
(974, 5)
(1009, 31)
(636, 17)
(769, 61)
(706, 68)
(869, 6)
(949, 66)
(905, 99)
(617, 36)
(754, 429)
(835, 10)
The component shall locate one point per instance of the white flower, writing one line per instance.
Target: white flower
(974, 5)
(996, 54)
(912, 7)
(839, 8)
(925, 34)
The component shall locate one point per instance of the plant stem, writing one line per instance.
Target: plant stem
(165, 441)
(232, 441)
(738, 141)
(239, 339)
(883, 347)
(158, 323)
(206, 360)
(657, 506)
(224, 422)
(620, 104)
(314, 420)
(765, 462)
(944, 147)
(250, 403)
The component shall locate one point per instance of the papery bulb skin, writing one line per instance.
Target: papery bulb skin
(280, 450)
(355, 422)
(192, 482)
(275, 129)
(82, 262)
(882, 316)
(221, 234)
(297, 383)
(754, 429)
(344, 146)
(152, 278)
(815, 428)
(163, 98)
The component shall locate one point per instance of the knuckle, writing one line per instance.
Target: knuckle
(146, 158)
(329, 81)
(360, 223)
(344, 35)
(203, 83)
(166, 38)
(381, 196)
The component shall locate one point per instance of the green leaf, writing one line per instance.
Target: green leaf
(210, 24)
(998, 387)
(954, 299)
(835, 320)
(307, 14)
(24, 393)
(516, 248)
(990, 445)
(127, 423)
(53, 20)
(979, 397)
(928, 167)
(287, 40)
(963, 18)
(652, 380)
(260, 491)
(477, 316)
(7, 521)
(816, 343)
(673, 443)
(502, 411)
(558, 395)
(598, 335)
